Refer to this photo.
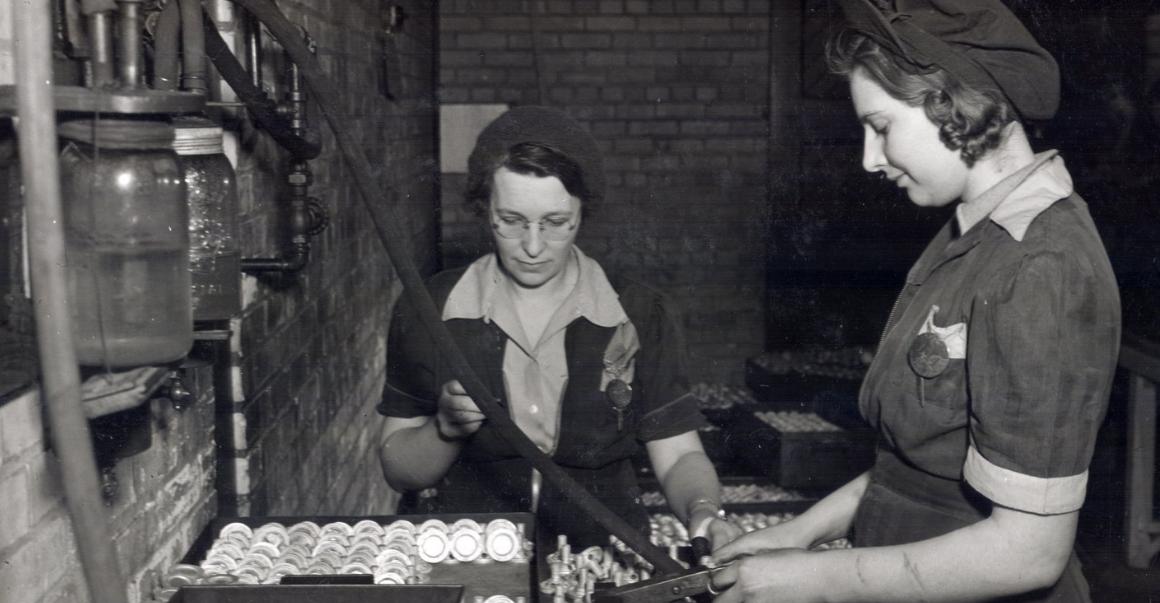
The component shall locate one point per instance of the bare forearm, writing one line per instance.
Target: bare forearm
(417, 457)
(831, 518)
(935, 571)
(995, 557)
(691, 483)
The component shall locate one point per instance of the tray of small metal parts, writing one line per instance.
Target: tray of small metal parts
(820, 380)
(330, 593)
(741, 495)
(800, 450)
(574, 576)
(489, 554)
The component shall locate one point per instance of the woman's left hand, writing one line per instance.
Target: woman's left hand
(784, 576)
(721, 531)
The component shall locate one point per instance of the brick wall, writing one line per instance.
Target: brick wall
(293, 427)
(676, 93)
(164, 499)
(308, 350)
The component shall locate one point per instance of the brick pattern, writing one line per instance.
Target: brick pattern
(308, 354)
(676, 93)
(164, 500)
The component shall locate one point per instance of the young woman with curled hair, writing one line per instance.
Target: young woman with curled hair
(970, 120)
(993, 375)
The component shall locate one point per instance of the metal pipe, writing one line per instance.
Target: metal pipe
(101, 39)
(254, 49)
(303, 223)
(129, 42)
(60, 376)
(165, 63)
(261, 107)
(192, 47)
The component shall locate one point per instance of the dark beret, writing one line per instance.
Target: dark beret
(980, 41)
(545, 126)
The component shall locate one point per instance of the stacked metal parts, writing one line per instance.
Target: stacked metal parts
(397, 552)
(578, 576)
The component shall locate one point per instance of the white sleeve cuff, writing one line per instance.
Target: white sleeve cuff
(1039, 495)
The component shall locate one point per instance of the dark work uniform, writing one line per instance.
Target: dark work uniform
(488, 476)
(1027, 307)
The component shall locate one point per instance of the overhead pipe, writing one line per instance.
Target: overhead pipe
(253, 48)
(165, 45)
(60, 375)
(260, 106)
(100, 23)
(393, 238)
(129, 42)
(192, 46)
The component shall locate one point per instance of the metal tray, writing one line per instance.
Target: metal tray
(427, 593)
(477, 579)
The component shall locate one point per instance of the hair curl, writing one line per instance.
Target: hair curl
(529, 158)
(970, 120)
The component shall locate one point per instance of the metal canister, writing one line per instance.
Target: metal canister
(212, 196)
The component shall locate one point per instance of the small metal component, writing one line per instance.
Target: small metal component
(178, 393)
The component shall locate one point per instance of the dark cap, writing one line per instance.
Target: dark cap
(980, 41)
(541, 125)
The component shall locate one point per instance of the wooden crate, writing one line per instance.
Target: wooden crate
(804, 460)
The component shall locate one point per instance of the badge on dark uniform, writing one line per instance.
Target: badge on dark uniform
(928, 355)
(620, 396)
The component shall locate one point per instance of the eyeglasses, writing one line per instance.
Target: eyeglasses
(554, 228)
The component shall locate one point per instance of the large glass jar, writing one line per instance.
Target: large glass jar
(212, 195)
(127, 242)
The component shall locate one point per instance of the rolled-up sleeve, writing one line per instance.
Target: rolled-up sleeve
(1041, 357)
(669, 408)
(410, 389)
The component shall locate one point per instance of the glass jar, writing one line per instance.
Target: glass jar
(127, 242)
(212, 197)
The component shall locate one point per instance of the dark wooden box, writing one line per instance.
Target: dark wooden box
(806, 460)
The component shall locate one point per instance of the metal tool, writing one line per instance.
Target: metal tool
(694, 583)
(660, 590)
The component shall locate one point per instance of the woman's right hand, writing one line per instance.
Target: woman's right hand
(458, 415)
(784, 535)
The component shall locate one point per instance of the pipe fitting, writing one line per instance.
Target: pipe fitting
(129, 42)
(177, 393)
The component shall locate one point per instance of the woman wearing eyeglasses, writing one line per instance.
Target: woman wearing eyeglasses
(590, 367)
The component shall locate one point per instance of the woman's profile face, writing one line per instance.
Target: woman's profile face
(903, 143)
(534, 223)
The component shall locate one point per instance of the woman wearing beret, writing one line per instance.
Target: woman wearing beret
(994, 371)
(589, 366)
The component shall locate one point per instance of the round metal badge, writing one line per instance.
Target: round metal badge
(619, 394)
(928, 355)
